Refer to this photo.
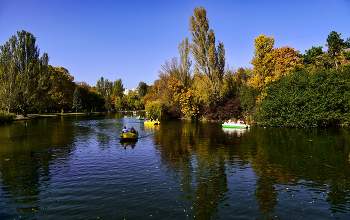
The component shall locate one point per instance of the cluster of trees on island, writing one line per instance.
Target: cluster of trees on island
(284, 87)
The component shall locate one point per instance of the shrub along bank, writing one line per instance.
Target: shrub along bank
(308, 98)
(5, 116)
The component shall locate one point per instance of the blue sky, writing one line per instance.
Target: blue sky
(132, 39)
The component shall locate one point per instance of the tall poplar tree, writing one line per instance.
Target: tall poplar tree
(117, 89)
(105, 87)
(8, 75)
(25, 69)
(209, 60)
(77, 100)
(263, 61)
(185, 63)
(100, 85)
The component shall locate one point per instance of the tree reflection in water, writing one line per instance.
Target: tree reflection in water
(282, 159)
(24, 175)
(274, 171)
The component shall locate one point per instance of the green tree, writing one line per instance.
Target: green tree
(96, 101)
(209, 60)
(77, 101)
(154, 109)
(133, 100)
(185, 63)
(8, 74)
(100, 85)
(62, 88)
(31, 72)
(234, 80)
(90, 97)
(118, 103)
(108, 103)
(142, 89)
(336, 48)
(106, 88)
(310, 56)
(335, 43)
(117, 88)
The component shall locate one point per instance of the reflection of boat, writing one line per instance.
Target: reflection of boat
(237, 131)
(129, 136)
(235, 125)
(140, 118)
(152, 122)
(128, 143)
(151, 127)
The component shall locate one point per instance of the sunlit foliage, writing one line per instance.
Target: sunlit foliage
(186, 98)
(154, 109)
(319, 98)
(24, 75)
(263, 61)
(209, 59)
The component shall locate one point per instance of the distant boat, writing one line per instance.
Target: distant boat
(235, 125)
(140, 118)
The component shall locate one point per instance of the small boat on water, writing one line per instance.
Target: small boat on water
(235, 125)
(152, 122)
(140, 118)
(129, 136)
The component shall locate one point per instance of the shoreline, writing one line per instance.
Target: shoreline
(50, 115)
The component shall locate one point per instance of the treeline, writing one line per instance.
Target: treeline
(300, 90)
(284, 87)
(28, 84)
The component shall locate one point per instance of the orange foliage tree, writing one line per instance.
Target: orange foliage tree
(285, 58)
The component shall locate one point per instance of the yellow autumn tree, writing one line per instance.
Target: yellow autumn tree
(263, 61)
(187, 98)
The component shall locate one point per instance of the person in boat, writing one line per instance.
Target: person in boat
(229, 121)
(156, 119)
(132, 130)
(125, 130)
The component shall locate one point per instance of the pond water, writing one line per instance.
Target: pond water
(77, 168)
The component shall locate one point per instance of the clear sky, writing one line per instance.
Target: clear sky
(131, 39)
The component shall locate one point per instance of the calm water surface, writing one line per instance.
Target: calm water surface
(77, 168)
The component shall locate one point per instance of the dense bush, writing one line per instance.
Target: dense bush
(303, 98)
(5, 116)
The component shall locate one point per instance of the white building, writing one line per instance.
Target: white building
(126, 91)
